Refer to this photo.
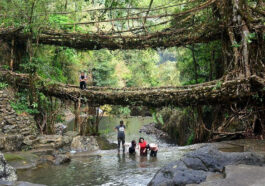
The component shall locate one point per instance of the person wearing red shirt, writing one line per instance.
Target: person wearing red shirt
(142, 147)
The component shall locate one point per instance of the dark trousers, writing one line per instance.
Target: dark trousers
(153, 153)
(82, 85)
(132, 150)
(121, 139)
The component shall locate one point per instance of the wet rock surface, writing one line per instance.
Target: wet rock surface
(195, 166)
(7, 173)
(61, 159)
(153, 128)
(104, 144)
(55, 159)
(84, 143)
(243, 175)
(21, 160)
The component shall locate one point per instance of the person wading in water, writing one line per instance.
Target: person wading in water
(132, 147)
(121, 136)
(142, 147)
(82, 80)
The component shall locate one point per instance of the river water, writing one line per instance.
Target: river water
(107, 167)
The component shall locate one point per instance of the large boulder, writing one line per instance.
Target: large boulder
(53, 141)
(104, 144)
(195, 166)
(243, 175)
(61, 159)
(84, 143)
(56, 159)
(7, 173)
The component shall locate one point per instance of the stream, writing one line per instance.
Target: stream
(107, 167)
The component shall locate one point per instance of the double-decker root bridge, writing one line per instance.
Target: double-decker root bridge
(237, 24)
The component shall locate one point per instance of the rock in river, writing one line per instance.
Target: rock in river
(195, 166)
(84, 143)
(61, 158)
(7, 173)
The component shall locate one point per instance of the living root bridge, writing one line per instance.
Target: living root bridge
(210, 93)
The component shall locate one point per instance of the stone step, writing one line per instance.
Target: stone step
(44, 146)
(47, 151)
(26, 133)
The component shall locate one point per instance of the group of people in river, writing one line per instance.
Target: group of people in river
(143, 147)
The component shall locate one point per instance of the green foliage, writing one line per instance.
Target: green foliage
(125, 111)
(120, 111)
(103, 68)
(236, 45)
(59, 118)
(31, 67)
(250, 37)
(3, 85)
(22, 105)
(61, 22)
(105, 131)
(218, 85)
(6, 67)
(157, 117)
(191, 138)
(205, 56)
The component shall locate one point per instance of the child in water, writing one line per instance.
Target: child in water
(153, 149)
(132, 147)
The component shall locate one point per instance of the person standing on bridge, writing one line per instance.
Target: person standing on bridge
(82, 80)
(121, 136)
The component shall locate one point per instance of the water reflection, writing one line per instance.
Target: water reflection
(143, 161)
(121, 158)
(132, 157)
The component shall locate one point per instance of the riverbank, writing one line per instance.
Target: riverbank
(108, 164)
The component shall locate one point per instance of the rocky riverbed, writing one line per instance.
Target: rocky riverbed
(51, 149)
(8, 175)
(209, 166)
(204, 164)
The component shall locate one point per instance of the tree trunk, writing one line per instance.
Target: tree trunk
(77, 116)
(194, 64)
(12, 54)
(211, 65)
(202, 132)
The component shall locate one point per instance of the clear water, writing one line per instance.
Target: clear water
(108, 167)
